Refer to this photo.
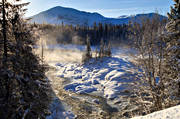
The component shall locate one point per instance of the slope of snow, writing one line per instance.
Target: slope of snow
(58, 14)
(171, 113)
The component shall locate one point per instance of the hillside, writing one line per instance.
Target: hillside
(69, 16)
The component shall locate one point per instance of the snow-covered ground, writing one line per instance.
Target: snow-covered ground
(108, 78)
(171, 113)
(59, 111)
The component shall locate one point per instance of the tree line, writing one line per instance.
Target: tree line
(69, 34)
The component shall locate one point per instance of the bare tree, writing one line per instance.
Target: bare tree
(152, 90)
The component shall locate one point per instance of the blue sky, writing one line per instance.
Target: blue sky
(108, 8)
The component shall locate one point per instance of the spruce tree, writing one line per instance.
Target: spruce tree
(172, 58)
(101, 52)
(4, 30)
(109, 53)
(25, 91)
(87, 55)
(89, 47)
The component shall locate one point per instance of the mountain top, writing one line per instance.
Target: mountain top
(58, 14)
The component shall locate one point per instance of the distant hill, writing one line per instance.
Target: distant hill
(58, 14)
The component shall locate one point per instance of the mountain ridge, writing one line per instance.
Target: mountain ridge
(58, 14)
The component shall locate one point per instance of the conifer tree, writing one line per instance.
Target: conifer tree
(101, 52)
(3, 9)
(172, 58)
(109, 53)
(25, 91)
(88, 47)
(87, 55)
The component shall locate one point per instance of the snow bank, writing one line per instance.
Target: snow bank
(171, 113)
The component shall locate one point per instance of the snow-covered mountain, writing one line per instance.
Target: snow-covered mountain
(58, 14)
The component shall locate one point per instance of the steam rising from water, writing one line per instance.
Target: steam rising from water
(59, 55)
(53, 53)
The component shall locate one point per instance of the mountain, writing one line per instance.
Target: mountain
(58, 14)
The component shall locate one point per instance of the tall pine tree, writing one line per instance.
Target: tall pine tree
(172, 58)
(25, 92)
